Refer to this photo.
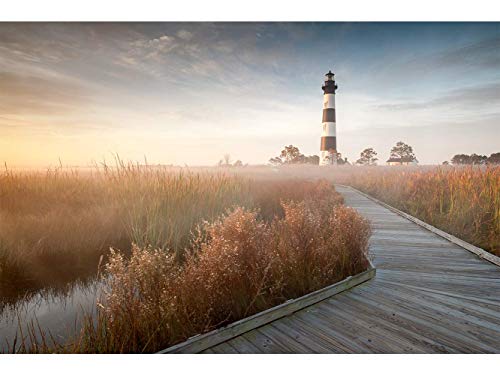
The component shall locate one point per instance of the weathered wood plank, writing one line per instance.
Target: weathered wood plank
(438, 327)
(243, 346)
(301, 334)
(264, 343)
(380, 337)
(290, 345)
(414, 341)
(224, 348)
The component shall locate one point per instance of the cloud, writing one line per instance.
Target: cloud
(184, 34)
(464, 98)
(457, 64)
(483, 54)
(153, 48)
(207, 57)
(33, 95)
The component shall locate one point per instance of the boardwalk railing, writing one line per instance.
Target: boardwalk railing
(199, 343)
(457, 241)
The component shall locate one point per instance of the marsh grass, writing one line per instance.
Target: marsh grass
(238, 264)
(56, 225)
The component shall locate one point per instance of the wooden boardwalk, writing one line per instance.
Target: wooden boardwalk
(429, 296)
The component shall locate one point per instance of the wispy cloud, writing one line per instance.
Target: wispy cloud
(481, 97)
(32, 95)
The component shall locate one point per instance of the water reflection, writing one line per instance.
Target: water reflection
(56, 312)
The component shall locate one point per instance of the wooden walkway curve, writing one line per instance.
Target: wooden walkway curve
(429, 296)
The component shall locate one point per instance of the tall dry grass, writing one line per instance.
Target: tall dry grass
(463, 201)
(55, 226)
(238, 265)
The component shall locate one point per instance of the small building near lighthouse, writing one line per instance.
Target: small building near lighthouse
(328, 148)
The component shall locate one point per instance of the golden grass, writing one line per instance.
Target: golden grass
(238, 264)
(55, 226)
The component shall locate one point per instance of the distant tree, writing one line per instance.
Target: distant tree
(292, 155)
(312, 159)
(238, 163)
(476, 159)
(343, 161)
(367, 157)
(460, 159)
(446, 162)
(494, 158)
(276, 161)
(227, 159)
(403, 151)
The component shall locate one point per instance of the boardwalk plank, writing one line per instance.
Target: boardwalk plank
(291, 345)
(301, 334)
(415, 340)
(383, 337)
(224, 348)
(241, 345)
(469, 326)
(264, 343)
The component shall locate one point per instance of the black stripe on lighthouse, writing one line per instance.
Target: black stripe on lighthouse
(328, 115)
(328, 143)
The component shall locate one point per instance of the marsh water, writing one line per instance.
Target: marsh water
(56, 313)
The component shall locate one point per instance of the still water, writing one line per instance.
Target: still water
(55, 312)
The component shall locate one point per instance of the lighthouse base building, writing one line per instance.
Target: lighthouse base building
(328, 149)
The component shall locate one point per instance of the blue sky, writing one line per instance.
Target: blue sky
(187, 93)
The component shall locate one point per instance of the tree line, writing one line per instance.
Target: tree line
(475, 159)
(401, 151)
(292, 155)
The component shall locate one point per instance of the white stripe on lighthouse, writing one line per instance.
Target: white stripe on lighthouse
(329, 101)
(329, 129)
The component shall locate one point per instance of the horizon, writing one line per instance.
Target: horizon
(188, 93)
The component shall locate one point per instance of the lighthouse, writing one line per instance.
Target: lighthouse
(328, 149)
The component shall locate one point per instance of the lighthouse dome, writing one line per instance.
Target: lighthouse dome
(330, 86)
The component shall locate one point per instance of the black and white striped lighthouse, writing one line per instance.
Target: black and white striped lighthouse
(328, 150)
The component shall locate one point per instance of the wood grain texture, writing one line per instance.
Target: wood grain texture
(431, 294)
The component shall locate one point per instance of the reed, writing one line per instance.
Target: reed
(54, 226)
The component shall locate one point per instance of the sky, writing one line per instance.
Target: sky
(188, 93)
